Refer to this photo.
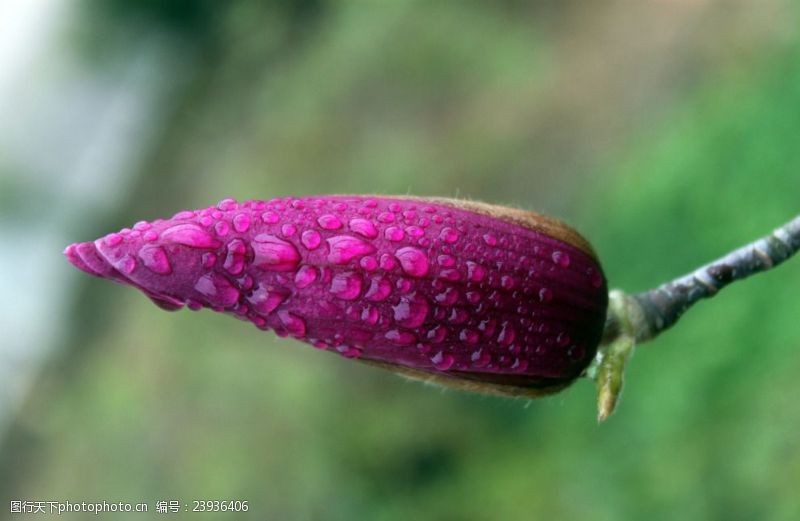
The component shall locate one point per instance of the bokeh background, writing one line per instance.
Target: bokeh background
(668, 132)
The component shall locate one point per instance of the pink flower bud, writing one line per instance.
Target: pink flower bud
(465, 294)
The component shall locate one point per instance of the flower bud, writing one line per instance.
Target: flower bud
(464, 294)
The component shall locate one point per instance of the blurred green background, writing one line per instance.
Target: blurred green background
(667, 132)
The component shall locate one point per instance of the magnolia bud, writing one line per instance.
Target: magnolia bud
(464, 294)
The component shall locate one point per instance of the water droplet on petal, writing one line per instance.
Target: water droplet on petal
(209, 259)
(344, 248)
(265, 299)
(190, 235)
(369, 263)
(411, 311)
(448, 297)
(437, 334)
(235, 257)
(329, 222)
(475, 272)
(287, 230)
(311, 239)
(270, 217)
(545, 295)
(112, 239)
(413, 261)
(295, 325)
(507, 282)
(217, 290)
(563, 339)
(490, 239)
(470, 336)
(347, 285)
(379, 289)
(507, 334)
(442, 361)
(363, 227)
(305, 276)
(221, 228)
(561, 258)
(394, 234)
(126, 264)
(370, 315)
(388, 262)
(274, 254)
(241, 222)
(227, 204)
(481, 358)
(386, 217)
(401, 337)
(155, 259)
(448, 235)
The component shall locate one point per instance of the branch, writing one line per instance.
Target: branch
(637, 318)
(664, 305)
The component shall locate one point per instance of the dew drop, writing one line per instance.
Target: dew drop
(142, 226)
(329, 222)
(235, 257)
(112, 239)
(274, 254)
(183, 215)
(413, 261)
(561, 258)
(311, 239)
(458, 316)
(227, 204)
(344, 248)
(369, 263)
(221, 228)
(217, 290)
(415, 231)
(347, 285)
(388, 262)
(473, 297)
(270, 217)
(442, 361)
(450, 274)
(507, 334)
(386, 217)
(411, 311)
(305, 276)
(402, 338)
(379, 289)
(488, 326)
(126, 264)
(448, 297)
(190, 235)
(469, 336)
(241, 222)
(363, 227)
(448, 235)
(446, 261)
(288, 230)
(209, 259)
(437, 334)
(480, 357)
(475, 272)
(155, 259)
(545, 295)
(490, 239)
(520, 365)
(395, 207)
(507, 282)
(394, 234)
(370, 315)
(295, 325)
(265, 299)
